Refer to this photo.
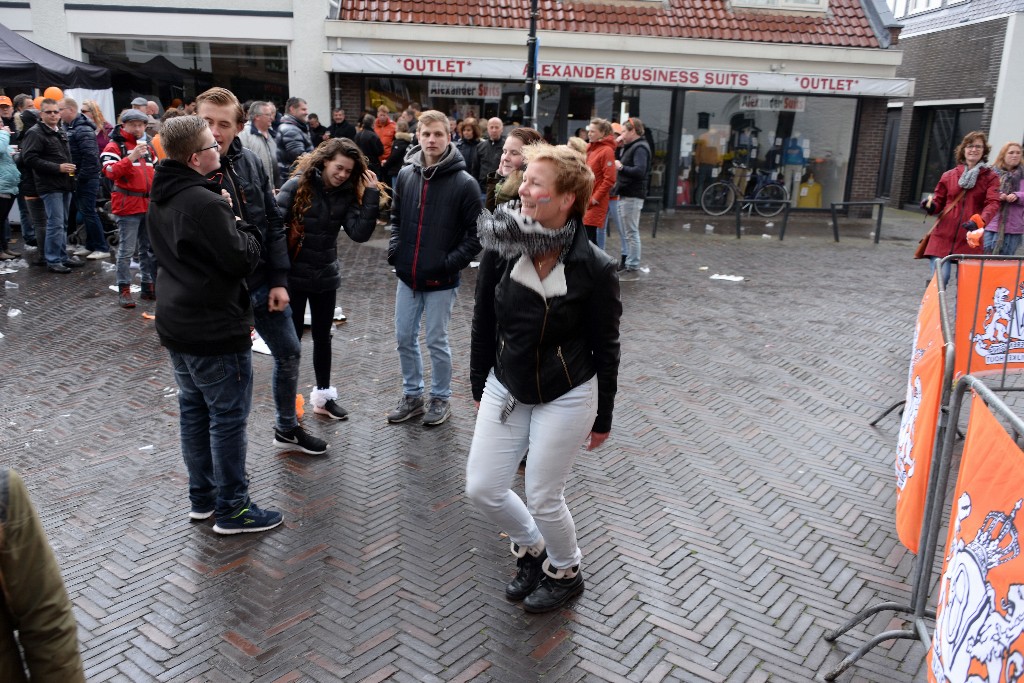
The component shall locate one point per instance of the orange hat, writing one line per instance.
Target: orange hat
(4, 99)
(616, 128)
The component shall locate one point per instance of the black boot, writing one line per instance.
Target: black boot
(528, 573)
(622, 264)
(148, 291)
(557, 587)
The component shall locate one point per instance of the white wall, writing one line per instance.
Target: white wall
(1007, 124)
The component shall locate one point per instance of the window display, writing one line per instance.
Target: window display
(802, 142)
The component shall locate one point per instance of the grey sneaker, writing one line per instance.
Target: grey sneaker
(409, 406)
(438, 411)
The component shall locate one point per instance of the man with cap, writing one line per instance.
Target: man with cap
(46, 154)
(7, 112)
(128, 163)
(141, 104)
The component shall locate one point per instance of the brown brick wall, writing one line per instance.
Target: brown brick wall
(868, 149)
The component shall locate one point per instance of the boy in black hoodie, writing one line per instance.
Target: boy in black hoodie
(203, 318)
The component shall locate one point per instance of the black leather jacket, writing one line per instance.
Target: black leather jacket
(43, 150)
(541, 349)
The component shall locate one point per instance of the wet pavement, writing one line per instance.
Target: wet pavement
(741, 507)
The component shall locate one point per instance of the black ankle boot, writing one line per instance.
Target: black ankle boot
(557, 587)
(622, 264)
(528, 573)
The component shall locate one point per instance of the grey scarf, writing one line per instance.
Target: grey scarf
(970, 176)
(511, 234)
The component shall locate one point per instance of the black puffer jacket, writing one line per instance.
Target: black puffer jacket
(433, 221)
(84, 153)
(242, 170)
(29, 118)
(293, 140)
(316, 269)
(542, 348)
(488, 153)
(204, 256)
(43, 150)
(399, 148)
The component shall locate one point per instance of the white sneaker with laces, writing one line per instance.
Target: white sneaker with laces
(98, 255)
(80, 250)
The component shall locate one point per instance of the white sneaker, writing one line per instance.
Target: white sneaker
(133, 264)
(339, 315)
(98, 255)
(258, 345)
(80, 250)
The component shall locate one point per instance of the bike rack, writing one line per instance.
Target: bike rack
(874, 202)
(742, 204)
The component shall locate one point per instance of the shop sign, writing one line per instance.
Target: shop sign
(486, 91)
(602, 74)
(772, 102)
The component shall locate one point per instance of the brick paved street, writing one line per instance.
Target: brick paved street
(741, 507)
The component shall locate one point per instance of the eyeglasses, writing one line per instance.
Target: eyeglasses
(86, 110)
(51, 111)
(203, 149)
(975, 147)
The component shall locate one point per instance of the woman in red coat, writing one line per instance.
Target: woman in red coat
(966, 198)
(601, 160)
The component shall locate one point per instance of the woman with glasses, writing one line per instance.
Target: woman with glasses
(966, 198)
(331, 188)
(92, 111)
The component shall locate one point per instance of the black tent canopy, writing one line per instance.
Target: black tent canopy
(23, 64)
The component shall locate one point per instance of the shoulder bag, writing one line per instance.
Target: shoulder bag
(922, 246)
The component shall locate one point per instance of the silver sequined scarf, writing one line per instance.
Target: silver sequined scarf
(511, 234)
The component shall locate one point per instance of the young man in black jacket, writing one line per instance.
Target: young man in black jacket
(433, 237)
(203, 317)
(242, 175)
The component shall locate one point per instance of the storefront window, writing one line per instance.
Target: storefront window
(801, 141)
(165, 70)
(946, 128)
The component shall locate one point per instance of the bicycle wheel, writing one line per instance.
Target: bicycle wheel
(776, 194)
(717, 198)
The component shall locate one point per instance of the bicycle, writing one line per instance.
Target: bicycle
(770, 196)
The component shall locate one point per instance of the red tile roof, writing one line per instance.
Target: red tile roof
(845, 25)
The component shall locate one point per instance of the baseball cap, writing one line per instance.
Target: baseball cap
(616, 128)
(132, 115)
(139, 102)
(4, 99)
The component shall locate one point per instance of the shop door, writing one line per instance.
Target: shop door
(892, 134)
(945, 127)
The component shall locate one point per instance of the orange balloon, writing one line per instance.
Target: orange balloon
(38, 102)
(53, 92)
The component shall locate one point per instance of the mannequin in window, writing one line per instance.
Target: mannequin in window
(793, 162)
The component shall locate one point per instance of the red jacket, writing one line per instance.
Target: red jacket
(386, 133)
(948, 237)
(601, 160)
(130, 194)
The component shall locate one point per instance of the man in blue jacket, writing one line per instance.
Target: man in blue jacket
(433, 237)
(86, 157)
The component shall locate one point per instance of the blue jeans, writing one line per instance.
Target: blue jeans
(28, 228)
(613, 217)
(57, 205)
(436, 308)
(629, 215)
(132, 229)
(553, 432)
(214, 398)
(1011, 243)
(277, 330)
(946, 269)
(85, 196)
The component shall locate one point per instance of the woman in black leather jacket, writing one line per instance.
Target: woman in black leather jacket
(331, 188)
(544, 366)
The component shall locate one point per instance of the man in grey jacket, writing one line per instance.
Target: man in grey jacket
(259, 139)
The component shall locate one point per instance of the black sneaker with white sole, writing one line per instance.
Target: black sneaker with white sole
(332, 410)
(298, 440)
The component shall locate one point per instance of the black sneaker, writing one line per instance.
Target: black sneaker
(557, 587)
(74, 262)
(438, 410)
(332, 410)
(298, 440)
(528, 572)
(58, 268)
(248, 520)
(409, 406)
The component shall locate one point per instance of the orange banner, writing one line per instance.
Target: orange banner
(989, 317)
(980, 610)
(920, 417)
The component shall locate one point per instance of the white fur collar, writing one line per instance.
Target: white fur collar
(553, 285)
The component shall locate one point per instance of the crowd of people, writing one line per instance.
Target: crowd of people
(232, 214)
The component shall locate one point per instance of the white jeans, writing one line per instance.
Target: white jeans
(553, 432)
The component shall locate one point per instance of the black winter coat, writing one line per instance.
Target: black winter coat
(370, 145)
(399, 148)
(539, 348)
(433, 221)
(488, 153)
(342, 130)
(84, 152)
(316, 268)
(242, 170)
(293, 140)
(636, 169)
(468, 150)
(29, 118)
(43, 150)
(204, 255)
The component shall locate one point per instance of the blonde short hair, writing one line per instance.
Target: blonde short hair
(572, 175)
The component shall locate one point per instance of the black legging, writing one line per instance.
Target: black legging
(5, 208)
(321, 309)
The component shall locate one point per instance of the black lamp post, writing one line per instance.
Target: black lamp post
(530, 98)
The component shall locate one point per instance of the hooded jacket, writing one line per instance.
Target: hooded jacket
(601, 160)
(205, 255)
(399, 149)
(292, 141)
(543, 346)
(84, 154)
(25, 120)
(43, 150)
(433, 221)
(132, 179)
(252, 197)
(316, 269)
(10, 176)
